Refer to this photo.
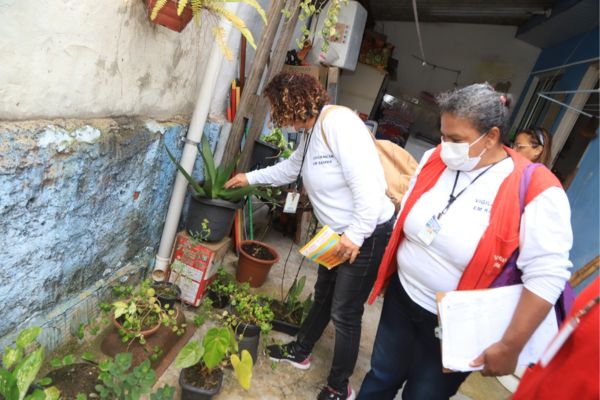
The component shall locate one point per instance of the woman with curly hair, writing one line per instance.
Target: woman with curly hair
(345, 183)
(534, 144)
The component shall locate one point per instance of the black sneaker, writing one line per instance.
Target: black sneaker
(329, 393)
(289, 353)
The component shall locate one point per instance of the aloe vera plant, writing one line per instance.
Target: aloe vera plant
(215, 178)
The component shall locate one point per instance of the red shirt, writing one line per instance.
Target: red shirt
(574, 372)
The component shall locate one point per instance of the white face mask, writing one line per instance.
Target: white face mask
(456, 155)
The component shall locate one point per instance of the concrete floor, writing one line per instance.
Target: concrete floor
(281, 381)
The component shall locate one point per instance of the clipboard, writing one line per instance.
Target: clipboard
(472, 320)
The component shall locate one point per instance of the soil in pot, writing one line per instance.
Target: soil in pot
(255, 262)
(258, 251)
(74, 379)
(168, 293)
(200, 377)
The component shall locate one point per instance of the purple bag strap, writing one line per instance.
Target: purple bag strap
(511, 275)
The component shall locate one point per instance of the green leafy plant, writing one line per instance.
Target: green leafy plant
(141, 312)
(217, 344)
(308, 9)
(293, 309)
(216, 7)
(276, 138)
(204, 232)
(249, 309)
(223, 286)
(119, 383)
(20, 365)
(215, 178)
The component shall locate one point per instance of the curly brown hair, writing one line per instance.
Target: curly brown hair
(294, 97)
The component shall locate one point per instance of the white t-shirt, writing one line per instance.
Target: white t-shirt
(344, 182)
(545, 236)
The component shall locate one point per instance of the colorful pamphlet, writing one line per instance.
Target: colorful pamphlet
(320, 249)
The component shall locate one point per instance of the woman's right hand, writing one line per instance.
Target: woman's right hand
(237, 181)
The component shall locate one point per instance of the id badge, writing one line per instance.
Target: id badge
(430, 231)
(291, 202)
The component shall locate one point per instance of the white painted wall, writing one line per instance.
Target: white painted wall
(483, 53)
(90, 58)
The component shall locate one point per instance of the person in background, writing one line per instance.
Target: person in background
(534, 144)
(345, 183)
(571, 370)
(459, 223)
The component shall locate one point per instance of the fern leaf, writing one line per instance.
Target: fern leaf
(197, 6)
(157, 7)
(181, 6)
(220, 36)
(237, 22)
(254, 4)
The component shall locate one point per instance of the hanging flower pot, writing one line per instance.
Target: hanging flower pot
(255, 262)
(167, 15)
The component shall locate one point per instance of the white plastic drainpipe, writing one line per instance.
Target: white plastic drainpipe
(190, 151)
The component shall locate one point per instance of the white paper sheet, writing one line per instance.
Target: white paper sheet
(472, 320)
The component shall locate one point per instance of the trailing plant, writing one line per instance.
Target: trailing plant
(20, 365)
(204, 232)
(216, 7)
(310, 8)
(142, 311)
(217, 344)
(215, 178)
(119, 383)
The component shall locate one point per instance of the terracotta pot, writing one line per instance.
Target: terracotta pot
(254, 270)
(167, 16)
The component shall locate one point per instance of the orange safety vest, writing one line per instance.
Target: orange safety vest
(501, 237)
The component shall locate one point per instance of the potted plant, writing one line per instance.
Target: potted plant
(221, 288)
(176, 14)
(201, 364)
(255, 262)
(212, 207)
(167, 293)
(249, 315)
(20, 366)
(269, 149)
(290, 312)
(141, 315)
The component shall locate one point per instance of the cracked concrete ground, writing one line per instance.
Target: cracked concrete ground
(285, 382)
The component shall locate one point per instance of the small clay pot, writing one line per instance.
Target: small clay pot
(254, 270)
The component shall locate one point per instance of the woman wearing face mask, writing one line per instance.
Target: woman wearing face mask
(534, 144)
(459, 221)
(345, 183)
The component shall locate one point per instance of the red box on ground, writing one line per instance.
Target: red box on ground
(193, 265)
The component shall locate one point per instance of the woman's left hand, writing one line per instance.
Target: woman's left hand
(347, 249)
(497, 360)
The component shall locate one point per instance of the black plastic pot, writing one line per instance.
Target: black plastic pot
(248, 337)
(218, 213)
(164, 299)
(218, 300)
(263, 155)
(191, 392)
(285, 327)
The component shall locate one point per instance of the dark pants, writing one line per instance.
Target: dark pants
(340, 294)
(406, 350)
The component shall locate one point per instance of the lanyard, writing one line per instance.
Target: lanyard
(297, 183)
(452, 198)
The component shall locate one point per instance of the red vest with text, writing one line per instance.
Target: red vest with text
(501, 237)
